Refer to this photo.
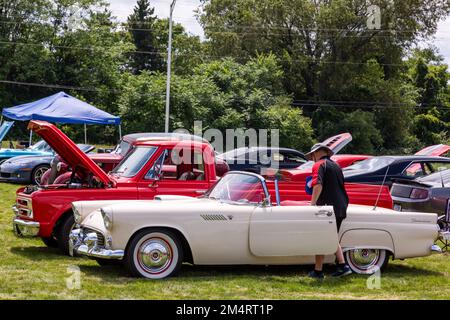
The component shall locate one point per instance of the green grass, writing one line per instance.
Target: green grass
(29, 270)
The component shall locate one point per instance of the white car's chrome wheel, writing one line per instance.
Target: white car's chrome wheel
(366, 261)
(155, 254)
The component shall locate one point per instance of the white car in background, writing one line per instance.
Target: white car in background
(236, 223)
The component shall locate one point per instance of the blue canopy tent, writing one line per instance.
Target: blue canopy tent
(62, 108)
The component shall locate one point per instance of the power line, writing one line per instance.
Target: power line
(200, 56)
(252, 27)
(299, 103)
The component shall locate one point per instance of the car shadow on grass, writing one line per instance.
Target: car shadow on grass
(38, 253)
(281, 274)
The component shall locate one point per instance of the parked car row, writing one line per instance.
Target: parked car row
(164, 203)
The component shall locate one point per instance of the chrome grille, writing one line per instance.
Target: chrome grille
(100, 236)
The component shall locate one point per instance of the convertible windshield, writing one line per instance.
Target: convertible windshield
(134, 162)
(240, 188)
(372, 164)
(41, 146)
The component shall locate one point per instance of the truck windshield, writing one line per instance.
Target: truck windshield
(134, 162)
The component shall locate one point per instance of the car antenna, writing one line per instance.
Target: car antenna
(381, 188)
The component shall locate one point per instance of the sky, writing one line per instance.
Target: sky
(185, 15)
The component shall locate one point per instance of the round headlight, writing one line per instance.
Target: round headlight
(107, 218)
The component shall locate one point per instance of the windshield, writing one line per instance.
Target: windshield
(238, 188)
(306, 166)
(372, 164)
(234, 154)
(41, 146)
(134, 162)
(437, 177)
(122, 148)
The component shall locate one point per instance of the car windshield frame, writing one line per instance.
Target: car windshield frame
(134, 161)
(371, 164)
(235, 177)
(41, 145)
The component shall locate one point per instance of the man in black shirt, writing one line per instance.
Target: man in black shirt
(328, 189)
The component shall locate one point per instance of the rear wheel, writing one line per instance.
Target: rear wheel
(154, 254)
(367, 261)
(37, 173)
(62, 233)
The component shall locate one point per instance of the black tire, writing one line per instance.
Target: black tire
(50, 242)
(63, 231)
(165, 242)
(37, 173)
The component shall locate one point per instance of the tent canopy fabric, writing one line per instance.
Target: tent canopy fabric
(61, 108)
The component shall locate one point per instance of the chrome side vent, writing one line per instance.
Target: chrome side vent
(213, 217)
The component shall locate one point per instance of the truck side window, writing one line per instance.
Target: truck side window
(168, 168)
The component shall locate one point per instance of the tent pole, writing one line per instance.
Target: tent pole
(120, 132)
(31, 137)
(85, 134)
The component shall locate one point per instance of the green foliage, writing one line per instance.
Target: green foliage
(141, 27)
(367, 138)
(223, 95)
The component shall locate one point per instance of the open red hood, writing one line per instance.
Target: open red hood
(436, 150)
(67, 149)
(338, 142)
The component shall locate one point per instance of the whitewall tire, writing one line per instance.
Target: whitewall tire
(154, 254)
(366, 261)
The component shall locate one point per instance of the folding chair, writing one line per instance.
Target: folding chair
(444, 224)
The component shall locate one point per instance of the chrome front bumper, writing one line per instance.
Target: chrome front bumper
(25, 228)
(86, 244)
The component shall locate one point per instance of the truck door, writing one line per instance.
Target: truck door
(293, 231)
(171, 176)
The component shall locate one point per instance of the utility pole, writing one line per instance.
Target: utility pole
(169, 60)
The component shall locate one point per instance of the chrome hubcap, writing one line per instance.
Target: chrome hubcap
(155, 255)
(365, 259)
(38, 174)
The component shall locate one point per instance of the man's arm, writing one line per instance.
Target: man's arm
(317, 190)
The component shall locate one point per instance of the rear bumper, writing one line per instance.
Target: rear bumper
(25, 228)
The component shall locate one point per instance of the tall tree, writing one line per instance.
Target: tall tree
(141, 27)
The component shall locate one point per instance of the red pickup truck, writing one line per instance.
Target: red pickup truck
(151, 168)
(59, 173)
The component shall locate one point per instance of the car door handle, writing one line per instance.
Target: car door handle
(324, 212)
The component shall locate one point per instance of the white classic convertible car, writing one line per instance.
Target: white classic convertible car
(236, 223)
